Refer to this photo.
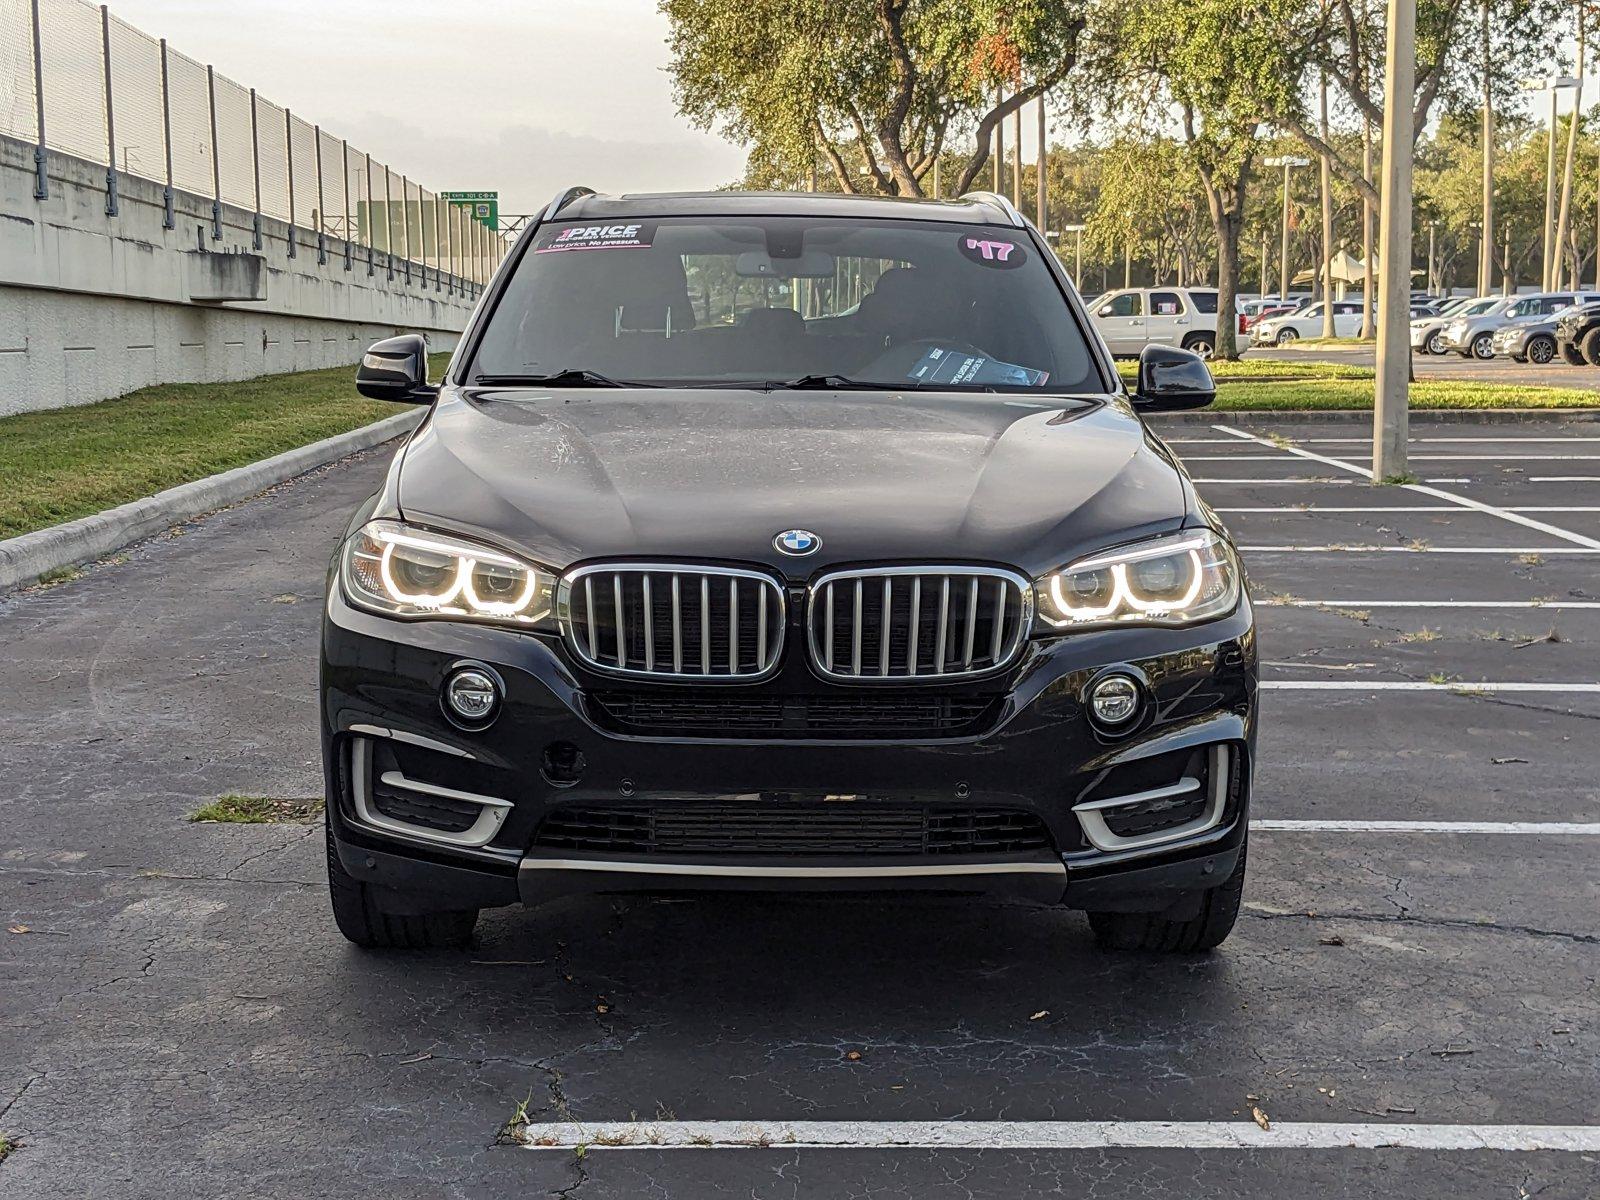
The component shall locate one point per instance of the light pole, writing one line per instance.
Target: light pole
(1288, 163)
(1554, 84)
(1077, 253)
(1391, 395)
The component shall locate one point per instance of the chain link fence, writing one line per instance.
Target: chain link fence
(77, 79)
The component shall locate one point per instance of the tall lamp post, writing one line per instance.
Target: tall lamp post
(1288, 163)
(1391, 394)
(1552, 256)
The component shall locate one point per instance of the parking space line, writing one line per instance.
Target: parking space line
(1517, 518)
(1564, 478)
(1367, 441)
(1209, 458)
(1053, 1135)
(1307, 510)
(1323, 481)
(1409, 685)
(1552, 828)
(1298, 603)
(1359, 549)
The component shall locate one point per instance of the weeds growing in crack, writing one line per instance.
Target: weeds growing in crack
(513, 1132)
(8, 1146)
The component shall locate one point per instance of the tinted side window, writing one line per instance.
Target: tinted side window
(1126, 305)
(1556, 303)
(1165, 304)
(1205, 302)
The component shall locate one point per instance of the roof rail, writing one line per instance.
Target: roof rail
(1000, 202)
(564, 199)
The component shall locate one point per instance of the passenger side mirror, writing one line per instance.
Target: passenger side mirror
(396, 369)
(1171, 379)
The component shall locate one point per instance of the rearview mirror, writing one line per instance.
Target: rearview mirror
(396, 369)
(1171, 379)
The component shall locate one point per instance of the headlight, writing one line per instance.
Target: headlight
(400, 571)
(1181, 579)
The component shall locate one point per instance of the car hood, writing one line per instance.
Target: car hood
(563, 475)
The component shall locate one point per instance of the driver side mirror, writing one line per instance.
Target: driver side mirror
(1172, 379)
(396, 369)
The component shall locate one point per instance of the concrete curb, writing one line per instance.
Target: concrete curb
(1363, 416)
(23, 559)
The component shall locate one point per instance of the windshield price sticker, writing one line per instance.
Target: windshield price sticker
(989, 251)
(944, 365)
(630, 236)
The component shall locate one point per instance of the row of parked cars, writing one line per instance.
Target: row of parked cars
(1535, 327)
(1523, 328)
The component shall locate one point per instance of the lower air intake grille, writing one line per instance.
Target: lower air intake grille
(868, 715)
(790, 831)
(419, 808)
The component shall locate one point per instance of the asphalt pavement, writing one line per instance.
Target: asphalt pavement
(181, 1019)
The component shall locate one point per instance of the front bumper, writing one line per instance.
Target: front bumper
(552, 751)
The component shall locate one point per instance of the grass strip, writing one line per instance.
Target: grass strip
(67, 463)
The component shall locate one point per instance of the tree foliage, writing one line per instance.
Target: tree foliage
(868, 91)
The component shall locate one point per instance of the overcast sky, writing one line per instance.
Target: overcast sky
(527, 96)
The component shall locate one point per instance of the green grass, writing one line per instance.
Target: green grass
(6, 1147)
(66, 463)
(1357, 394)
(1322, 343)
(1262, 385)
(1261, 369)
(258, 810)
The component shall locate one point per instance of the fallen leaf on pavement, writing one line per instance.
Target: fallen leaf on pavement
(1261, 1117)
(1040, 1015)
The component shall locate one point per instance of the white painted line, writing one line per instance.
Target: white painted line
(1407, 685)
(1355, 549)
(1310, 510)
(1564, 478)
(1270, 603)
(1207, 458)
(1534, 828)
(1517, 518)
(1366, 441)
(1053, 1135)
(1304, 479)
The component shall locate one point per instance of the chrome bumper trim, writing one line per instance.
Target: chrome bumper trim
(724, 870)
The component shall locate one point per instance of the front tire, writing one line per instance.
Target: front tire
(1435, 343)
(1540, 349)
(1591, 347)
(1201, 343)
(1151, 933)
(1285, 336)
(1483, 346)
(363, 920)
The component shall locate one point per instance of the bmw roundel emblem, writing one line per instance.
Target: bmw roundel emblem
(797, 542)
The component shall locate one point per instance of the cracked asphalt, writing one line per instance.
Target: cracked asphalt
(180, 1018)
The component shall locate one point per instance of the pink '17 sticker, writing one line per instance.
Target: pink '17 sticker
(989, 251)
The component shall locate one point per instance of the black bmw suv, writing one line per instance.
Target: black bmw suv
(789, 542)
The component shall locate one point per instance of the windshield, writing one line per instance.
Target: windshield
(766, 301)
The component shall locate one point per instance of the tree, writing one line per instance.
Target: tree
(870, 91)
(1223, 64)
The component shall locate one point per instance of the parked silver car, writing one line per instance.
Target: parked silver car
(1473, 336)
(1427, 333)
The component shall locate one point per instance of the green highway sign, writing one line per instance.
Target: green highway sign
(485, 206)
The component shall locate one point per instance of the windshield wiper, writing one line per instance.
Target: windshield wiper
(828, 383)
(571, 377)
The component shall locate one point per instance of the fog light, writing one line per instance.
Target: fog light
(1114, 700)
(472, 694)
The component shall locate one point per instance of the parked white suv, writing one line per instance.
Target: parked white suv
(1133, 318)
(1306, 322)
